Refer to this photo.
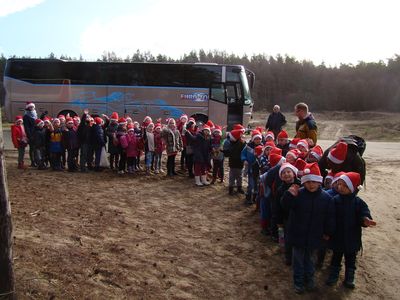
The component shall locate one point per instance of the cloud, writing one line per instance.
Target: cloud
(8, 7)
(316, 30)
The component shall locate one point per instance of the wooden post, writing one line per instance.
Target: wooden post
(6, 257)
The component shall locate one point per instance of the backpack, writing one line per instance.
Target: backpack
(356, 141)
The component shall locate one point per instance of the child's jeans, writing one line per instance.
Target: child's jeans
(218, 168)
(349, 259)
(157, 161)
(149, 158)
(303, 266)
(235, 176)
(21, 154)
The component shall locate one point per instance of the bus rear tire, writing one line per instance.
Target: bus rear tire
(67, 111)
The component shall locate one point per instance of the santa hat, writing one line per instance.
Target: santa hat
(276, 150)
(352, 180)
(235, 134)
(122, 121)
(255, 134)
(171, 121)
(239, 127)
(39, 122)
(275, 159)
(294, 152)
(287, 166)
(206, 127)
(293, 143)
(29, 104)
(260, 129)
(269, 144)
(18, 118)
(300, 165)
(184, 118)
(210, 124)
(338, 154)
(217, 130)
(336, 176)
(329, 176)
(283, 135)
(270, 134)
(61, 117)
(191, 120)
(114, 116)
(130, 127)
(128, 119)
(46, 120)
(56, 120)
(258, 150)
(303, 143)
(157, 126)
(98, 120)
(317, 152)
(69, 120)
(147, 119)
(311, 172)
(151, 124)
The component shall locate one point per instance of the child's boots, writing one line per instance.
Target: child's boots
(197, 181)
(333, 276)
(349, 278)
(204, 180)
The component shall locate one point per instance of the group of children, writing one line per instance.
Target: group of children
(299, 208)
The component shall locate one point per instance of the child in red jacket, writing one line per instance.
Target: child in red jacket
(19, 140)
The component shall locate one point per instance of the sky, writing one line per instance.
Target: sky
(333, 32)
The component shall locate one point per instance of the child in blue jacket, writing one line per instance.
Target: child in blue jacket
(352, 213)
(311, 219)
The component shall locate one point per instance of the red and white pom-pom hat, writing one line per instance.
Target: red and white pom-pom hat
(235, 134)
(122, 121)
(317, 152)
(338, 154)
(270, 134)
(255, 134)
(303, 143)
(276, 159)
(39, 122)
(287, 166)
(217, 129)
(206, 127)
(283, 135)
(311, 172)
(352, 180)
(184, 118)
(114, 116)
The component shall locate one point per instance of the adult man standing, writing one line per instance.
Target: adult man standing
(275, 120)
(29, 125)
(306, 127)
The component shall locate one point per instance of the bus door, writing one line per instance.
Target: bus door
(235, 105)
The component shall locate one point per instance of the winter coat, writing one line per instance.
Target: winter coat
(282, 215)
(249, 156)
(129, 143)
(29, 125)
(39, 138)
(70, 139)
(110, 132)
(18, 136)
(350, 213)
(275, 122)
(120, 136)
(310, 216)
(97, 137)
(307, 128)
(233, 150)
(201, 147)
(173, 140)
(84, 131)
(285, 148)
(158, 143)
(56, 141)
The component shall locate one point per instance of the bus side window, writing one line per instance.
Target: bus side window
(218, 92)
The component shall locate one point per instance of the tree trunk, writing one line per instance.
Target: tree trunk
(6, 258)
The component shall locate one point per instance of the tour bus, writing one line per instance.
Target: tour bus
(214, 92)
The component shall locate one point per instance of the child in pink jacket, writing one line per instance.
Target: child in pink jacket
(130, 144)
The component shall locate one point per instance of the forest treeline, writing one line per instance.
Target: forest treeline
(285, 80)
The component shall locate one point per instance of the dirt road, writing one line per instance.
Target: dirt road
(99, 236)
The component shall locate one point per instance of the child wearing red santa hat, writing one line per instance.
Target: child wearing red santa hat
(19, 140)
(283, 142)
(311, 219)
(352, 213)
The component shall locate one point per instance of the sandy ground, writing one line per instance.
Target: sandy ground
(100, 236)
